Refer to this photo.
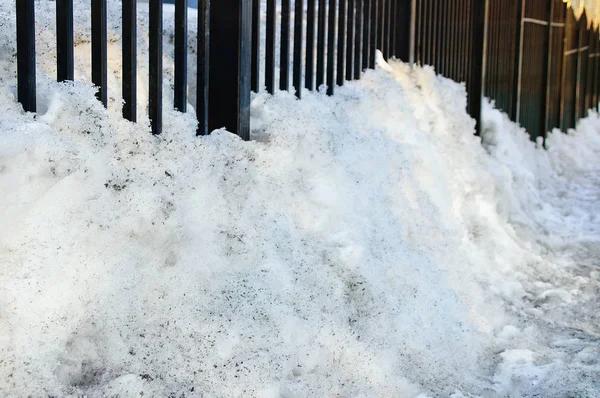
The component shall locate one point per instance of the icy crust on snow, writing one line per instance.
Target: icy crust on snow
(363, 245)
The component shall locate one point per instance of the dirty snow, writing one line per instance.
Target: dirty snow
(362, 245)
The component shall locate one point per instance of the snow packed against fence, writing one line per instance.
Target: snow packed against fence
(362, 245)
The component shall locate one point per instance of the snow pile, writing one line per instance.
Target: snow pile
(362, 245)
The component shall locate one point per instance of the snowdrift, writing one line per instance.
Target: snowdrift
(362, 245)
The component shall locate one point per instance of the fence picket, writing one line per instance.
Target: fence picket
(341, 43)
(358, 40)
(202, 69)
(129, 50)
(298, 25)
(255, 81)
(321, 43)
(284, 48)
(366, 37)
(373, 34)
(331, 23)
(309, 79)
(270, 47)
(350, 40)
(229, 86)
(155, 66)
(181, 32)
(26, 54)
(99, 57)
(64, 40)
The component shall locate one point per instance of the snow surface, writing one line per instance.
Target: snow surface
(362, 245)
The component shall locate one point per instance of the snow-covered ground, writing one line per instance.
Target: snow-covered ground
(362, 245)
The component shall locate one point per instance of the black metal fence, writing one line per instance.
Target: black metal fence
(542, 64)
(532, 57)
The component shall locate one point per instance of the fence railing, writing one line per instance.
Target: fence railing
(532, 57)
(542, 64)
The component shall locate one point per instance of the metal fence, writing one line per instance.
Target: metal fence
(542, 64)
(532, 57)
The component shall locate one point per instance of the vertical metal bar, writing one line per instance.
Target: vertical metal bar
(99, 59)
(358, 40)
(387, 30)
(180, 89)
(255, 81)
(366, 36)
(321, 43)
(454, 55)
(518, 61)
(443, 37)
(394, 29)
(578, 80)
(563, 75)
(594, 102)
(298, 14)
(309, 72)
(341, 43)
(202, 80)
(573, 121)
(331, 47)
(270, 47)
(155, 66)
(435, 27)
(470, 38)
(64, 40)
(484, 61)
(548, 69)
(475, 89)
(284, 47)
(374, 30)
(426, 31)
(380, 24)
(350, 40)
(129, 37)
(413, 32)
(229, 92)
(26, 54)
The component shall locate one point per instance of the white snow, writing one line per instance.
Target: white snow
(362, 245)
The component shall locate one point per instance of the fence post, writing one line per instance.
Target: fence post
(284, 47)
(129, 86)
(320, 78)
(64, 40)
(341, 42)
(202, 82)
(331, 24)
(518, 62)
(475, 89)
(366, 36)
(404, 30)
(298, 25)
(99, 59)
(358, 32)
(373, 33)
(578, 79)
(269, 46)
(181, 32)
(563, 72)
(229, 88)
(547, 71)
(413, 32)
(26, 54)
(155, 66)
(350, 40)
(309, 81)
(255, 86)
